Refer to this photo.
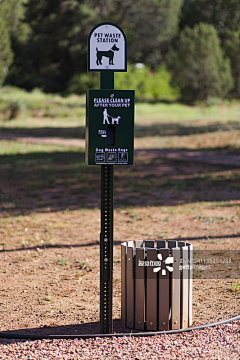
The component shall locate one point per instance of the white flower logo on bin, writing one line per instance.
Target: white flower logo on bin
(167, 261)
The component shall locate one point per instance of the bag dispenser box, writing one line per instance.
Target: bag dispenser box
(110, 127)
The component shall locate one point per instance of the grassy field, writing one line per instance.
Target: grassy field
(60, 169)
(50, 200)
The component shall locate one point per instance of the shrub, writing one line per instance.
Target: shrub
(81, 82)
(148, 85)
(16, 107)
(198, 66)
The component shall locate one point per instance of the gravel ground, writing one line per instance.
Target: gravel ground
(219, 342)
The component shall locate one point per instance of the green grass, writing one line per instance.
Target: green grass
(235, 287)
(62, 262)
(215, 219)
(40, 176)
(60, 174)
(54, 109)
(36, 99)
(171, 113)
(83, 265)
(156, 125)
(43, 110)
(14, 148)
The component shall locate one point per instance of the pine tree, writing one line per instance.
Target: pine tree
(224, 15)
(12, 31)
(198, 65)
(6, 55)
(56, 46)
(149, 25)
(231, 46)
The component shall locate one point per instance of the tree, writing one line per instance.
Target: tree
(6, 54)
(198, 65)
(232, 49)
(149, 25)
(56, 45)
(12, 12)
(12, 31)
(224, 15)
(56, 48)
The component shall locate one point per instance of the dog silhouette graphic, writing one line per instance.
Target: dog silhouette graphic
(108, 54)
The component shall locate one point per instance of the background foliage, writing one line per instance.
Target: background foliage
(198, 65)
(44, 45)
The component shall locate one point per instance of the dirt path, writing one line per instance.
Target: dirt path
(206, 157)
(50, 238)
(44, 140)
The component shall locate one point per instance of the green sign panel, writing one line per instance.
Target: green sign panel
(110, 127)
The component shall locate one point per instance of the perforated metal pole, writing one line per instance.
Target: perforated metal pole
(106, 236)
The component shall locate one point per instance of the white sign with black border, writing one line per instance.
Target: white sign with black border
(107, 47)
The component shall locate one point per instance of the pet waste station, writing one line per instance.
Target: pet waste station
(109, 141)
(150, 299)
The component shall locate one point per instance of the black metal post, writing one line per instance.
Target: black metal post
(106, 236)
